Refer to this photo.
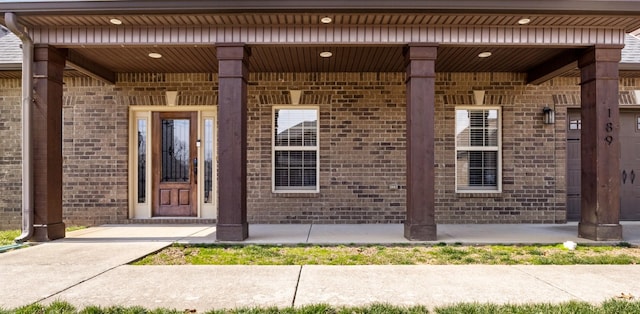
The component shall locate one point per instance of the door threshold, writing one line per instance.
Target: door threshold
(172, 220)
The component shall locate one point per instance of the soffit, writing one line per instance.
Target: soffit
(307, 59)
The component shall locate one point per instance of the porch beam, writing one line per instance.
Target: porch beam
(90, 68)
(420, 221)
(600, 145)
(47, 143)
(558, 65)
(177, 35)
(233, 74)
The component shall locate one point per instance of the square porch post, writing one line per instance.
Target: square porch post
(232, 142)
(600, 145)
(46, 126)
(420, 221)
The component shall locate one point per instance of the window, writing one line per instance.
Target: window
(295, 149)
(142, 160)
(207, 165)
(478, 142)
(575, 124)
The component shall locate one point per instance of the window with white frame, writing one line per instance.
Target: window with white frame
(478, 143)
(295, 149)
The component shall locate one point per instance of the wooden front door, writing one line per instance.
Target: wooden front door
(174, 164)
(629, 165)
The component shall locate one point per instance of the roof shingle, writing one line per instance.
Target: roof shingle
(631, 50)
(10, 50)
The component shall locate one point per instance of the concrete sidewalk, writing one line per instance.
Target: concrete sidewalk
(90, 267)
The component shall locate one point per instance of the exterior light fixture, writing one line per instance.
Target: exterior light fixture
(326, 54)
(155, 55)
(485, 54)
(549, 115)
(524, 21)
(326, 20)
(115, 21)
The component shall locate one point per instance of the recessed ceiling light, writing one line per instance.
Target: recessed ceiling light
(326, 20)
(115, 21)
(155, 55)
(326, 54)
(524, 21)
(485, 54)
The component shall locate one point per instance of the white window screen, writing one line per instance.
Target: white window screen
(295, 159)
(478, 149)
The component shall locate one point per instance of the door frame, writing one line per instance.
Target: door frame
(143, 210)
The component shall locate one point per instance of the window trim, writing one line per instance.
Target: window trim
(275, 148)
(498, 188)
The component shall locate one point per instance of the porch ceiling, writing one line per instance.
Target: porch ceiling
(307, 59)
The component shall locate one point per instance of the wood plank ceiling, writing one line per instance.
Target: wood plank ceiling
(307, 59)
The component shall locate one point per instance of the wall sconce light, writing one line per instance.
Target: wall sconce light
(549, 115)
(172, 95)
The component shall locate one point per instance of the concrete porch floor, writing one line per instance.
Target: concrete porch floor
(393, 233)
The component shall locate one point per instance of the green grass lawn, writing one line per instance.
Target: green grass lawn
(391, 255)
(612, 306)
(7, 236)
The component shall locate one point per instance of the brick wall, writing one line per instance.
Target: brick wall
(95, 152)
(533, 166)
(362, 125)
(10, 154)
(362, 144)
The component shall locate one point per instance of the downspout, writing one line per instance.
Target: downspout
(27, 97)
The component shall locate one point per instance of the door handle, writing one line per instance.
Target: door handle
(633, 176)
(624, 177)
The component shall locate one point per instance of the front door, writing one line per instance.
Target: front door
(174, 164)
(629, 165)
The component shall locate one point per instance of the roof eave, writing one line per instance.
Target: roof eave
(615, 7)
(10, 66)
(629, 67)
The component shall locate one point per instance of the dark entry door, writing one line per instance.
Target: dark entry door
(174, 164)
(629, 165)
